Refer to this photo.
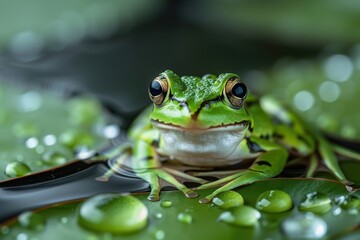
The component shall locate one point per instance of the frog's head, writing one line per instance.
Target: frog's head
(198, 103)
(202, 116)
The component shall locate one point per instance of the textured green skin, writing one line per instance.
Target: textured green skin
(195, 91)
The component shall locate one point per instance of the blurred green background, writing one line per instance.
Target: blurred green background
(306, 53)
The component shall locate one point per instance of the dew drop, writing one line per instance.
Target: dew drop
(274, 201)
(54, 158)
(17, 169)
(159, 235)
(228, 199)
(338, 68)
(84, 152)
(73, 138)
(348, 202)
(158, 215)
(304, 226)
(49, 140)
(303, 100)
(111, 131)
(166, 204)
(40, 149)
(31, 142)
(33, 221)
(336, 211)
(64, 220)
(22, 236)
(316, 203)
(185, 218)
(329, 91)
(242, 216)
(113, 213)
(29, 101)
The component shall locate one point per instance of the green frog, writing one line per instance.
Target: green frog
(212, 121)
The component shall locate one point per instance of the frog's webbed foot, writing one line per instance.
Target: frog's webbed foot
(267, 165)
(233, 181)
(153, 176)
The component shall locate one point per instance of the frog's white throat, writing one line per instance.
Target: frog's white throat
(201, 147)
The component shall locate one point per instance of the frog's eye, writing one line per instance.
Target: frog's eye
(158, 90)
(235, 91)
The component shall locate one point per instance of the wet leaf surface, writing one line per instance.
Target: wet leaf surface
(62, 220)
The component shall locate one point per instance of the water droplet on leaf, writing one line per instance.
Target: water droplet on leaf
(316, 203)
(31, 142)
(49, 140)
(304, 100)
(158, 215)
(64, 220)
(185, 218)
(111, 131)
(348, 202)
(304, 226)
(54, 158)
(17, 169)
(243, 216)
(22, 236)
(166, 204)
(228, 199)
(33, 221)
(274, 201)
(113, 213)
(159, 235)
(74, 138)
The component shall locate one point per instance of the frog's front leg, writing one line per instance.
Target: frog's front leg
(270, 163)
(147, 166)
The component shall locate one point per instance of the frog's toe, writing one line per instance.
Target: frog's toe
(208, 198)
(191, 194)
(204, 200)
(153, 197)
(347, 182)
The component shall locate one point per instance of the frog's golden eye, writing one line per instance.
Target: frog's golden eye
(158, 90)
(235, 91)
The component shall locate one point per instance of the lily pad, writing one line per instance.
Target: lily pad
(40, 129)
(62, 220)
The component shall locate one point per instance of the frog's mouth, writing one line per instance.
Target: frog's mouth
(213, 146)
(237, 126)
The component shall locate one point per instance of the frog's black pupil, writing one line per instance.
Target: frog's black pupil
(239, 90)
(155, 88)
